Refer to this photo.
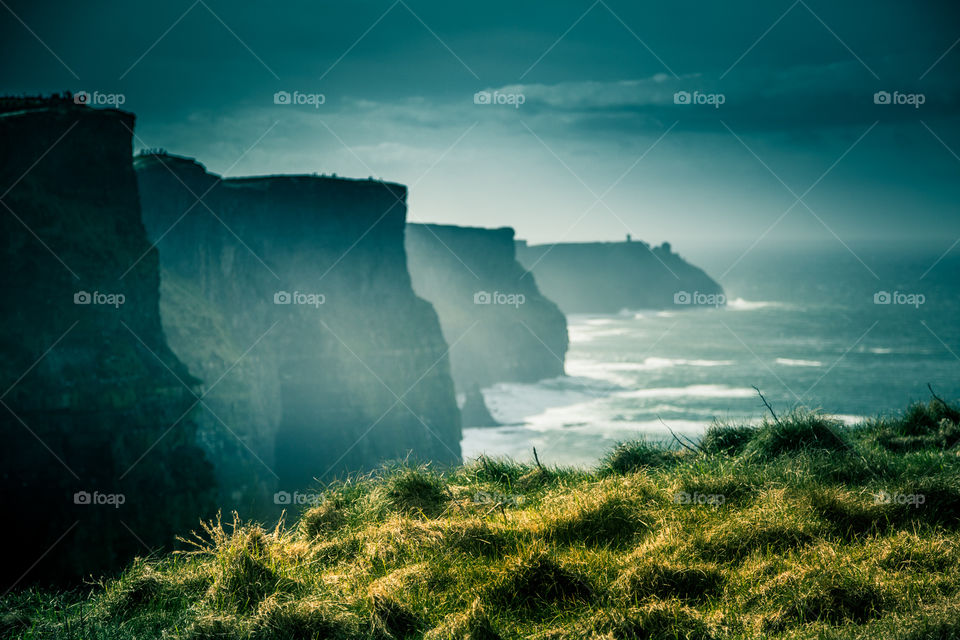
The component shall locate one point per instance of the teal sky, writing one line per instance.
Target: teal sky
(796, 152)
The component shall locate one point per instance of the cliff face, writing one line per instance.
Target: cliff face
(605, 277)
(98, 443)
(290, 297)
(500, 326)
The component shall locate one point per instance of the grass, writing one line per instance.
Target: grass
(796, 528)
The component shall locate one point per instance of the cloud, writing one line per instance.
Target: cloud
(783, 99)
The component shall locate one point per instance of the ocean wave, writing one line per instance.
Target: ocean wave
(593, 368)
(884, 351)
(790, 362)
(739, 304)
(583, 333)
(847, 419)
(513, 403)
(692, 391)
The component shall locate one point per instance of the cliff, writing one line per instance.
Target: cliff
(98, 452)
(606, 277)
(290, 297)
(501, 328)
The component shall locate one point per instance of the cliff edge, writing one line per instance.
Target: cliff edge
(290, 297)
(500, 327)
(98, 449)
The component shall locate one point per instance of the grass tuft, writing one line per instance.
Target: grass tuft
(473, 624)
(630, 457)
(325, 518)
(415, 491)
(535, 579)
(726, 439)
(307, 618)
(649, 578)
(659, 620)
(389, 619)
(821, 586)
(796, 432)
(602, 519)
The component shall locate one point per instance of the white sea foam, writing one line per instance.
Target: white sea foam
(594, 368)
(790, 362)
(692, 391)
(583, 333)
(848, 419)
(513, 403)
(739, 304)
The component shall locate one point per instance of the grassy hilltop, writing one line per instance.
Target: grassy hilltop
(798, 528)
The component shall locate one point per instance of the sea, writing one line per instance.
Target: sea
(854, 335)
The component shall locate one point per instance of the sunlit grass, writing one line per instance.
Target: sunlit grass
(797, 528)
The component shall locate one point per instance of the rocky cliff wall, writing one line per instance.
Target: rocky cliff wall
(290, 297)
(98, 452)
(501, 328)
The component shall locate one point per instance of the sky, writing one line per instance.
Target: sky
(733, 125)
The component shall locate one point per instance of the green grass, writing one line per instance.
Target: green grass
(797, 528)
